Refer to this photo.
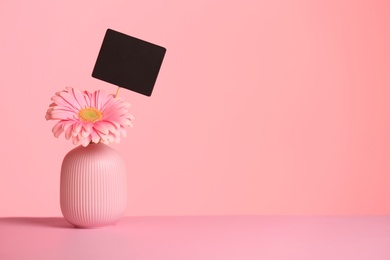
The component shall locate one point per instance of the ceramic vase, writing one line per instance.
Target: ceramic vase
(93, 186)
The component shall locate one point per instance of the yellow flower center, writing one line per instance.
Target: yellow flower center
(90, 114)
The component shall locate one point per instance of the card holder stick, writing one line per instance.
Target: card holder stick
(117, 92)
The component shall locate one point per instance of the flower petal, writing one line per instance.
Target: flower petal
(95, 137)
(101, 127)
(58, 128)
(79, 97)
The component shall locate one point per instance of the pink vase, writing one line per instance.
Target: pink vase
(93, 188)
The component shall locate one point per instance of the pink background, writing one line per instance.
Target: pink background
(261, 107)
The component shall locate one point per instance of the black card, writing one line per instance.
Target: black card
(129, 62)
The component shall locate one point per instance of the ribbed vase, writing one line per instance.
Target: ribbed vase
(93, 187)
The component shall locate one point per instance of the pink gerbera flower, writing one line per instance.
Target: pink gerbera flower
(89, 117)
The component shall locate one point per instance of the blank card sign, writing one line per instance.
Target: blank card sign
(129, 62)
